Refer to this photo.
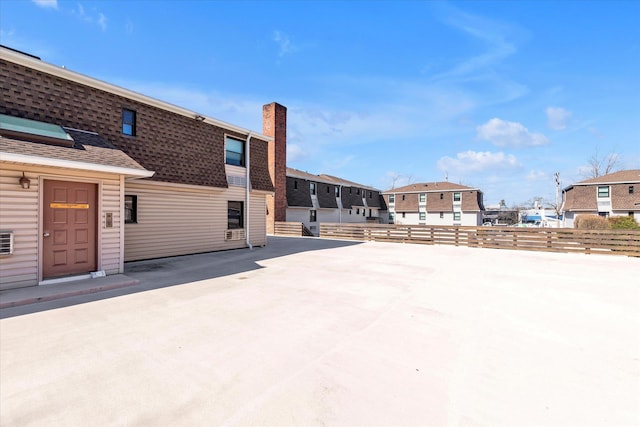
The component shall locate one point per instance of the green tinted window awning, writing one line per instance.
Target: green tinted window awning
(33, 130)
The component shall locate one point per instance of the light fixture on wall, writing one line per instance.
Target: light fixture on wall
(199, 118)
(25, 182)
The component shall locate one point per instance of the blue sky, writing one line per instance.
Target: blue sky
(495, 95)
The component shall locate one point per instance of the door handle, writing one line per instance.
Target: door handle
(46, 234)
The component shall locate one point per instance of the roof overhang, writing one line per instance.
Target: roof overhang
(70, 164)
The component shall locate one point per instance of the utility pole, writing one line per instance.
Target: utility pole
(557, 178)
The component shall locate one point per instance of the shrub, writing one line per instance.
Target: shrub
(591, 222)
(624, 223)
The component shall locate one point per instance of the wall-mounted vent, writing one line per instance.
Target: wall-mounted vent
(237, 180)
(6, 242)
(230, 235)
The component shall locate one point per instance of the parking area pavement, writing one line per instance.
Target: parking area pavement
(316, 332)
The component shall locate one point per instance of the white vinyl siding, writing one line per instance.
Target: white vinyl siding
(20, 213)
(175, 220)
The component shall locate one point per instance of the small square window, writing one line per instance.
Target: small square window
(423, 198)
(235, 215)
(392, 198)
(313, 216)
(441, 214)
(128, 122)
(312, 188)
(457, 197)
(456, 216)
(603, 191)
(337, 189)
(423, 216)
(631, 189)
(234, 151)
(391, 216)
(130, 209)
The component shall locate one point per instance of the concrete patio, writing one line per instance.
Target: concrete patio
(316, 332)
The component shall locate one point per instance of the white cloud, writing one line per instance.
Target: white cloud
(473, 161)
(295, 153)
(504, 134)
(52, 4)
(535, 175)
(557, 118)
(100, 19)
(284, 43)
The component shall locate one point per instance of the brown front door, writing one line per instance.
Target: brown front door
(69, 228)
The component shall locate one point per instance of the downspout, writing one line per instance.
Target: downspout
(340, 207)
(248, 186)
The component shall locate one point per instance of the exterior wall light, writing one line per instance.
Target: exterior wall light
(25, 182)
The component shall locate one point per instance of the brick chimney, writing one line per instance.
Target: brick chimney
(274, 124)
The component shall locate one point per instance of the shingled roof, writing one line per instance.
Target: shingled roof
(424, 187)
(622, 177)
(88, 149)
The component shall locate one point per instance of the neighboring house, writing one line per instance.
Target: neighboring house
(435, 203)
(93, 175)
(614, 194)
(313, 199)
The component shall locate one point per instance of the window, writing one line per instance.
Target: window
(456, 216)
(358, 191)
(456, 197)
(312, 188)
(423, 216)
(391, 216)
(350, 190)
(370, 194)
(603, 191)
(441, 214)
(235, 151)
(604, 214)
(337, 191)
(349, 211)
(358, 211)
(235, 215)
(423, 198)
(130, 209)
(441, 196)
(370, 216)
(403, 197)
(313, 216)
(328, 189)
(128, 122)
(631, 189)
(364, 212)
(404, 214)
(392, 198)
(295, 185)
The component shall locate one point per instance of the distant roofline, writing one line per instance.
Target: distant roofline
(326, 179)
(33, 62)
(436, 190)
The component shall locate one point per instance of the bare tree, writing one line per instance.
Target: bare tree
(602, 165)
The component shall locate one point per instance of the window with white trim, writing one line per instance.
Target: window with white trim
(603, 191)
(234, 151)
